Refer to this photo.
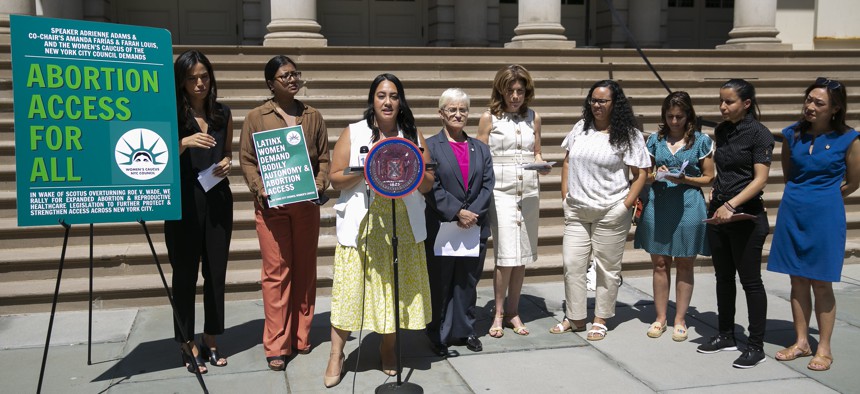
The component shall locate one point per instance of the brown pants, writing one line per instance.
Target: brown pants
(288, 236)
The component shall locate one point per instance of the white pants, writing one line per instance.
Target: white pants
(602, 233)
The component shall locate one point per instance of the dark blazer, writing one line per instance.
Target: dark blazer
(449, 194)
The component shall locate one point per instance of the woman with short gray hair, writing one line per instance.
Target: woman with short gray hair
(459, 202)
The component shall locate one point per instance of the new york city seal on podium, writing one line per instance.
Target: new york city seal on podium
(394, 167)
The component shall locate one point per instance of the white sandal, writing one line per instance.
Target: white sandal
(597, 332)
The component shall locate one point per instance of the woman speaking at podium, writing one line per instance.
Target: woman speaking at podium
(362, 292)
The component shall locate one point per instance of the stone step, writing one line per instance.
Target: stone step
(145, 287)
(479, 88)
(241, 193)
(337, 82)
(30, 263)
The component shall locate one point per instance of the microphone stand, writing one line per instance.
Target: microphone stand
(400, 386)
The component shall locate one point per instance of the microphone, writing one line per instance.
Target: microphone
(362, 154)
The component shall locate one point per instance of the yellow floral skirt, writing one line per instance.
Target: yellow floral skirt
(374, 249)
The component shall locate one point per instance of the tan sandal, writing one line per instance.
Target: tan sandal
(656, 330)
(820, 363)
(497, 331)
(389, 366)
(518, 329)
(792, 353)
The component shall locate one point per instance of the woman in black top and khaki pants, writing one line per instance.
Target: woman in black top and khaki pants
(742, 157)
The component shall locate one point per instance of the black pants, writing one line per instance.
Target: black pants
(453, 294)
(737, 247)
(203, 233)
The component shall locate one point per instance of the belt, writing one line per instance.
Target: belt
(514, 159)
(723, 197)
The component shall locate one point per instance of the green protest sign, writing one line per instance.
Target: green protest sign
(282, 155)
(95, 122)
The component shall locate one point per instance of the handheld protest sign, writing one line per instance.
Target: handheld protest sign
(394, 167)
(285, 166)
(96, 136)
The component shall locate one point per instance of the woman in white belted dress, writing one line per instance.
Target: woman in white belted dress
(512, 131)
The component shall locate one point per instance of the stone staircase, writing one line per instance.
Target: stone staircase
(337, 83)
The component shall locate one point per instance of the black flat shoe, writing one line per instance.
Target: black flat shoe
(444, 351)
(474, 344)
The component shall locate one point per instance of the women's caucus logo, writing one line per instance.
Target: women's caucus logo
(141, 154)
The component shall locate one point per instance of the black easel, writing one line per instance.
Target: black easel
(399, 386)
(90, 326)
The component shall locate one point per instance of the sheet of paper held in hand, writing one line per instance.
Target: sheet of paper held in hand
(538, 166)
(734, 218)
(208, 179)
(662, 175)
(453, 240)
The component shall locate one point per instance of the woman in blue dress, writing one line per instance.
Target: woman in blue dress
(818, 153)
(671, 229)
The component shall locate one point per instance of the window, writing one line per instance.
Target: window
(719, 3)
(681, 3)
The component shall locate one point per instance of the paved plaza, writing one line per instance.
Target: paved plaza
(133, 351)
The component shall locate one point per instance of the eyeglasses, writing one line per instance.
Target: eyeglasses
(297, 75)
(830, 83)
(600, 102)
(453, 111)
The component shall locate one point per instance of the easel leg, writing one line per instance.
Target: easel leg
(90, 321)
(54, 305)
(185, 337)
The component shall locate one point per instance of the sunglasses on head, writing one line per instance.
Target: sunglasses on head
(830, 83)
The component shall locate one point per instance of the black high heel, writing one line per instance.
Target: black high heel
(187, 354)
(212, 354)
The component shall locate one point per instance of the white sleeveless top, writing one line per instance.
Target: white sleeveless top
(352, 207)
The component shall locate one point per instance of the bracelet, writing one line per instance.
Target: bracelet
(729, 207)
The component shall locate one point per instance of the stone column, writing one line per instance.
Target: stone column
(755, 27)
(539, 26)
(7, 7)
(65, 9)
(643, 19)
(294, 24)
(470, 23)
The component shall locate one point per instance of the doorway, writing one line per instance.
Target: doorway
(373, 22)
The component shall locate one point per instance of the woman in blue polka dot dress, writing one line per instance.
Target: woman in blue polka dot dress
(671, 229)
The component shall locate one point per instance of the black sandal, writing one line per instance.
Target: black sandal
(188, 359)
(212, 354)
(278, 366)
